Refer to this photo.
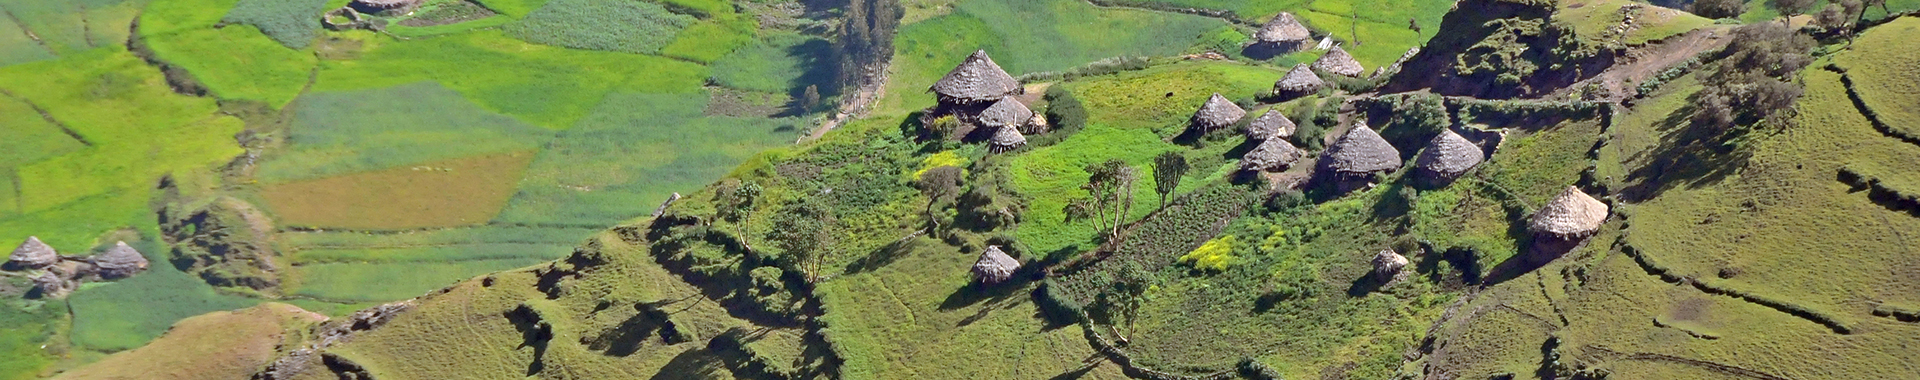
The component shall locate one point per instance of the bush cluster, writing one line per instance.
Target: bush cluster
(1096, 68)
(1065, 114)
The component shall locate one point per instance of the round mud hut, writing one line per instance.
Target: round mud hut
(1271, 155)
(1359, 154)
(1571, 215)
(1446, 158)
(1337, 61)
(977, 80)
(1006, 139)
(1387, 264)
(52, 285)
(1271, 125)
(1005, 112)
(1283, 32)
(1299, 82)
(385, 7)
(1217, 113)
(120, 261)
(994, 266)
(33, 254)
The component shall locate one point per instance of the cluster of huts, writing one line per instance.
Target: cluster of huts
(54, 275)
(982, 95)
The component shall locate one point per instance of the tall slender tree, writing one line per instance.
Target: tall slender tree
(1110, 196)
(1167, 169)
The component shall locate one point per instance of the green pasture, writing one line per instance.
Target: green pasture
(609, 25)
(709, 40)
(1140, 99)
(69, 26)
(291, 23)
(28, 325)
(342, 132)
(506, 235)
(377, 282)
(162, 295)
(512, 8)
(542, 85)
(1883, 70)
(16, 47)
(1052, 176)
(779, 63)
(624, 158)
(30, 137)
(1031, 36)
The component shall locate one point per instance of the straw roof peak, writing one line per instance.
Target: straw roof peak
(1571, 214)
(1005, 112)
(1005, 139)
(976, 79)
(34, 254)
(1388, 263)
(994, 266)
(120, 261)
(1271, 125)
(1300, 79)
(1361, 151)
(1218, 112)
(1271, 155)
(1282, 28)
(1448, 155)
(1337, 61)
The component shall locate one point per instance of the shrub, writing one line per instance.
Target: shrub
(611, 25)
(1718, 9)
(293, 23)
(1215, 255)
(1064, 113)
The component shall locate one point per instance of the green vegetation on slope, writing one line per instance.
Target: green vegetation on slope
(1883, 70)
(342, 132)
(291, 23)
(234, 62)
(610, 25)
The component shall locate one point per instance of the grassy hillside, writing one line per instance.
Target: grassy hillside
(227, 345)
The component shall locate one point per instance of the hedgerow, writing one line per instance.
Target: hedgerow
(293, 23)
(611, 25)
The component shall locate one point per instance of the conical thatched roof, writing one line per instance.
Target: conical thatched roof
(1005, 139)
(1337, 61)
(994, 266)
(119, 261)
(1388, 263)
(1300, 80)
(1283, 28)
(33, 254)
(1271, 125)
(1361, 151)
(1005, 112)
(1573, 213)
(1217, 113)
(1271, 155)
(1448, 155)
(976, 79)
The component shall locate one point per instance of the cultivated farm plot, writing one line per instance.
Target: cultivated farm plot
(351, 267)
(454, 192)
(232, 62)
(340, 133)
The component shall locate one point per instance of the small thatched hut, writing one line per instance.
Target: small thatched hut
(1005, 112)
(33, 254)
(1271, 155)
(1387, 264)
(1571, 215)
(1359, 153)
(1337, 61)
(385, 7)
(1299, 81)
(1271, 125)
(1447, 157)
(976, 80)
(1217, 113)
(994, 266)
(1036, 125)
(1283, 31)
(119, 261)
(52, 285)
(1005, 139)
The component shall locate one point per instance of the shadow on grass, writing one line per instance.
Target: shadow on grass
(885, 255)
(1688, 155)
(1541, 251)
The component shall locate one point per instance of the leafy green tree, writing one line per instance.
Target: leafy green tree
(1791, 8)
(734, 202)
(1110, 196)
(802, 232)
(1167, 169)
(940, 185)
(1718, 9)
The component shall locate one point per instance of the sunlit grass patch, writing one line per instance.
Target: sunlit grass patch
(337, 133)
(462, 191)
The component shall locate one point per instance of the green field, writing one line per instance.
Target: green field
(609, 25)
(342, 132)
(162, 294)
(1883, 70)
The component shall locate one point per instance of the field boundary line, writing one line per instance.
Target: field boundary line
(1860, 104)
(1802, 312)
(49, 118)
(29, 32)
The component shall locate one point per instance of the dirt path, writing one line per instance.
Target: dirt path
(1623, 79)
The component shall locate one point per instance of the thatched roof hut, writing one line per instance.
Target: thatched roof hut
(1217, 113)
(385, 7)
(33, 254)
(1447, 157)
(994, 266)
(1005, 112)
(1271, 125)
(1337, 61)
(1300, 80)
(976, 80)
(1036, 125)
(1361, 151)
(1388, 263)
(52, 285)
(1572, 214)
(1283, 29)
(120, 261)
(1005, 139)
(1271, 155)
